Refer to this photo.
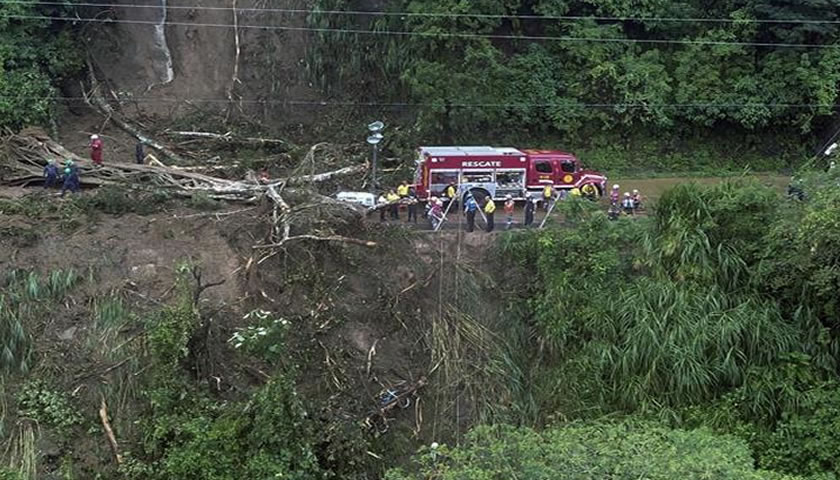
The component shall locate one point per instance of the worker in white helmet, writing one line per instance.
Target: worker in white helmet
(96, 149)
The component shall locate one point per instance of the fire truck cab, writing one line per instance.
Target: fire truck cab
(498, 172)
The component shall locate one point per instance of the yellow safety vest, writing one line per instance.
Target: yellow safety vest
(575, 192)
(402, 190)
(547, 192)
(490, 207)
(392, 197)
(450, 192)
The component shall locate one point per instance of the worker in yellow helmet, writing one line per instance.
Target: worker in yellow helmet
(489, 209)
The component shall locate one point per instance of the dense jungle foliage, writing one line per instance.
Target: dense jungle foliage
(717, 313)
(618, 81)
(36, 56)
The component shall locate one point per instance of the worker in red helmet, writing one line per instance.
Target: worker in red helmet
(96, 149)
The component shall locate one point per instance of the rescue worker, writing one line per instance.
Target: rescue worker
(614, 195)
(50, 174)
(489, 211)
(451, 193)
(138, 153)
(627, 203)
(548, 196)
(509, 206)
(574, 193)
(71, 178)
(470, 207)
(411, 204)
(264, 178)
(381, 201)
(613, 212)
(637, 200)
(393, 199)
(529, 210)
(96, 150)
(402, 190)
(435, 212)
(589, 191)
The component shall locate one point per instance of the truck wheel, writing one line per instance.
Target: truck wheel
(597, 193)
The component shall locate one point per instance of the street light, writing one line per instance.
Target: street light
(373, 139)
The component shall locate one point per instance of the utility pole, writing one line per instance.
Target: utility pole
(373, 139)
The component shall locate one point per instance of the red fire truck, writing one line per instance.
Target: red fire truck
(497, 172)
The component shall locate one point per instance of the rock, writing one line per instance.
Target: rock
(144, 272)
(68, 334)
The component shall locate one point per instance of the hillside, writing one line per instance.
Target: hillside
(359, 320)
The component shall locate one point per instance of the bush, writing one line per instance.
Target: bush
(586, 452)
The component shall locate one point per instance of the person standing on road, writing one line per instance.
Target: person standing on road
(139, 155)
(509, 206)
(451, 194)
(470, 207)
(393, 199)
(435, 212)
(71, 178)
(489, 210)
(96, 150)
(411, 204)
(627, 203)
(529, 210)
(381, 203)
(614, 196)
(548, 196)
(50, 174)
(402, 190)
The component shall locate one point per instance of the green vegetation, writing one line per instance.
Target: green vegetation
(621, 97)
(36, 56)
(24, 300)
(590, 451)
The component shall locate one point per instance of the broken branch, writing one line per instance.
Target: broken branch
(109, 432)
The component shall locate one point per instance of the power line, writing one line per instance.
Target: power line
(439, 35)
(454, 105)
(380, 13)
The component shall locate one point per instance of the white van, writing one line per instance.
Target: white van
(365, 199)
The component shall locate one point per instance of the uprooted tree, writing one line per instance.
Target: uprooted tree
(26, 153)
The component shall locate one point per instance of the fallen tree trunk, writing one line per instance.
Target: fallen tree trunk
(228, 137)
(28, 152)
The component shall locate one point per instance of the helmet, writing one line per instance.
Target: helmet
(433, 199)
(94, 136)
(439, 201)
(626, 194)
(615, 187)
(509, 196)
(635, 192)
